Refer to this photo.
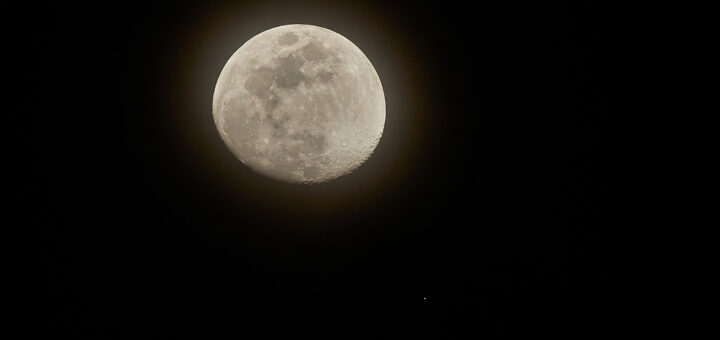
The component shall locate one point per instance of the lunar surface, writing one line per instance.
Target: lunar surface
(300, 103)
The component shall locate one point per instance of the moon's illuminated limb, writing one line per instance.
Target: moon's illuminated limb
(300, 103)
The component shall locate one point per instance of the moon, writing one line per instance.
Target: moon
(300, 103)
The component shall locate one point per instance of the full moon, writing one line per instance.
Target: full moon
(300, 103)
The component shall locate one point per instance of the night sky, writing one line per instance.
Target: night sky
(482, 213)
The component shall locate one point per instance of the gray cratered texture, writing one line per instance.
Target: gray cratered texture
(300, 103)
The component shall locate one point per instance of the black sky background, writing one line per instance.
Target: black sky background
(497, 210)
